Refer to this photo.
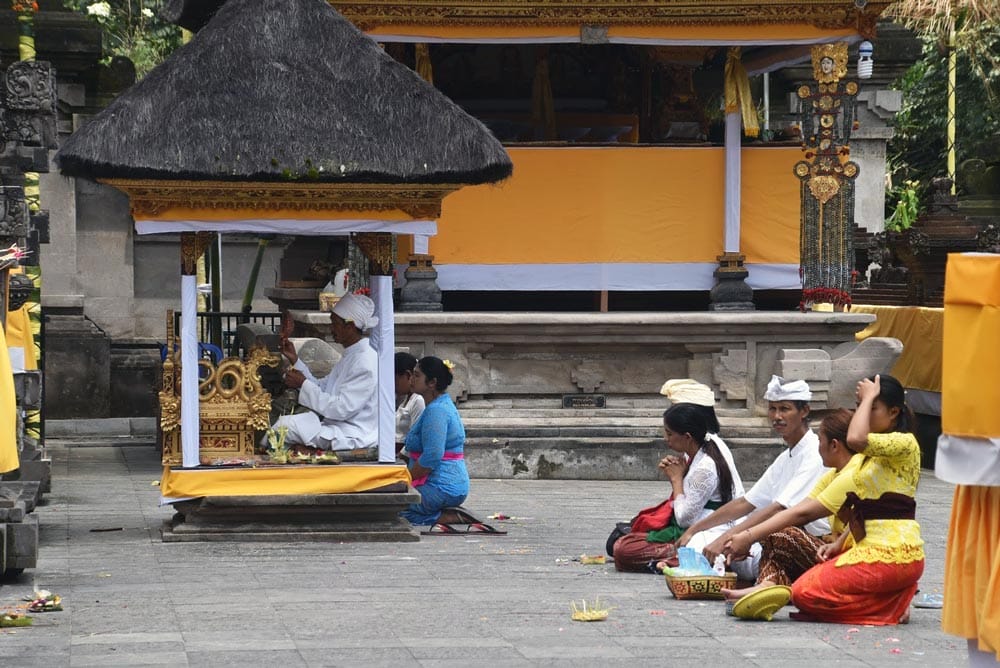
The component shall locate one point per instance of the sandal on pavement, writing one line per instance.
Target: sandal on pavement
(763, 603)
(446, 529)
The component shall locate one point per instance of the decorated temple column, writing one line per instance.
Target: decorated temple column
(731, 293)
(377, 247)
(192, 246)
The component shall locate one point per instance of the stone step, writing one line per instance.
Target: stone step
(531, 429)
(595, 458)
(653, 404)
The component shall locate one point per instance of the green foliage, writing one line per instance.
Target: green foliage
(133, 29)
(919, 150)
(907, 207)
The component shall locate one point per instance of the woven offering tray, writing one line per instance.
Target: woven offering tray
(700, 586)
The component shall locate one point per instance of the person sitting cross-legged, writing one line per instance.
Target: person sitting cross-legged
(343, 405)
(785, 482)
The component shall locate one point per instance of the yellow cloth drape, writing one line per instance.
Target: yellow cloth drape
(971, 357)
(737, 91)
(19, 335)
(279, 481)
(8, 412)
(424, 66)
(921, 330)
(622, 204)
(972, 567)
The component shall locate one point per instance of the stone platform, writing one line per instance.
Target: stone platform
(366, 517)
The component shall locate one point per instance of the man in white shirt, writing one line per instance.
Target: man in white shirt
(343, 405)
(785, 482)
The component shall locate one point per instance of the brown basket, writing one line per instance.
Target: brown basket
(700, 586)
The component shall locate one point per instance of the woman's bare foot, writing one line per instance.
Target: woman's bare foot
(737, 594)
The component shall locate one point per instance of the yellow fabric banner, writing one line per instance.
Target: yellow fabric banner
(279, 481)
(8, 412)
(921, 330)
(19, 335)
(622, 204)
(971, 359)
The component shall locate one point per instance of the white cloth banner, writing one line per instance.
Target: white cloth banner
(624, 276)
(383, 340)
(190, 414)
(313, 228)
(731, 241)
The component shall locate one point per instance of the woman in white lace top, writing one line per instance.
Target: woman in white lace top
(705, 477)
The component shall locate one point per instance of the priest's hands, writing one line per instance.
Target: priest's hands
(294, 378)
(288, 350)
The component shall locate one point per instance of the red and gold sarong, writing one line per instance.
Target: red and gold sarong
(862, 593)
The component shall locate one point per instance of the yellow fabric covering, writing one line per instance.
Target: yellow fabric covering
(971, 359)
(8, 412)
(19, 336)
(622, 204)
(280, 481)
(921, 330)
(972, 567)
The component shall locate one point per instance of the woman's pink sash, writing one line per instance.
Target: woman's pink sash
(447, 456)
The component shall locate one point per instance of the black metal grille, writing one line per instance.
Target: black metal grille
(219, 328)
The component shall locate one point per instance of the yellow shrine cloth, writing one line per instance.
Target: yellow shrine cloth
(921, 330)
(279, 480)
(8, 412)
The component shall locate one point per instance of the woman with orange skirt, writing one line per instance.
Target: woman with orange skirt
(874, 579)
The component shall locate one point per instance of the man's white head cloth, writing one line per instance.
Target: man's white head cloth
(357, 309)
(688, 391)
(780, 390)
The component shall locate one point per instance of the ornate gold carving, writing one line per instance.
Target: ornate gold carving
(823, 188)
(369, 14)
(232, 404)
(829, 62)
(193, 245)
(377, 247)
(151, 198)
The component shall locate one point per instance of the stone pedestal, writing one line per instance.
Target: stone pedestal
(731, 292)
(364, 517)
(421, 292)
(77, 368)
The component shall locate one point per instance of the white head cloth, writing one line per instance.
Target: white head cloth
(793, 390)
(688, 391)
(357, 309)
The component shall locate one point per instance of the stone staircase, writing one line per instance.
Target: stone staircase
(527, 438)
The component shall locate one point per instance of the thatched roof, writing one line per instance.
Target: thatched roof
(272, 90)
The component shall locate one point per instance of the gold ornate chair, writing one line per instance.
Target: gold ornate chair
(232, 404)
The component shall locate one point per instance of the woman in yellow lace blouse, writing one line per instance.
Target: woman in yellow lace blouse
(871, 573)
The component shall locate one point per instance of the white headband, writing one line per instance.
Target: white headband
(794, 390)
(357, 309)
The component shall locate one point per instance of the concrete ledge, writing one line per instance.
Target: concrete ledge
(135, 427)
(363, 517)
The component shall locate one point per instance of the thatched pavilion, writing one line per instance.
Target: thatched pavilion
(281, 116)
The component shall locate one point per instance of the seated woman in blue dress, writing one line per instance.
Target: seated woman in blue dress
(435, 444)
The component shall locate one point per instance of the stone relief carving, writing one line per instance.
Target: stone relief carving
(730, 373)
(13, 213)
(30, 104)
(588, 377)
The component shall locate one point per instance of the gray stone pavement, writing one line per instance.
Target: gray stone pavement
(445, 601)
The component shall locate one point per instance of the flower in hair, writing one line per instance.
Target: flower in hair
(449, 364)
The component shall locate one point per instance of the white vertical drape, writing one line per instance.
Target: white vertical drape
(190, 428)
(383, 340)
(731, 241)
(421, 242)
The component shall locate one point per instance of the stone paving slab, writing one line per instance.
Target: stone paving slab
(130, 599)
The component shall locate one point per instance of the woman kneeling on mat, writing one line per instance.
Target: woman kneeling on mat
(435, 444)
